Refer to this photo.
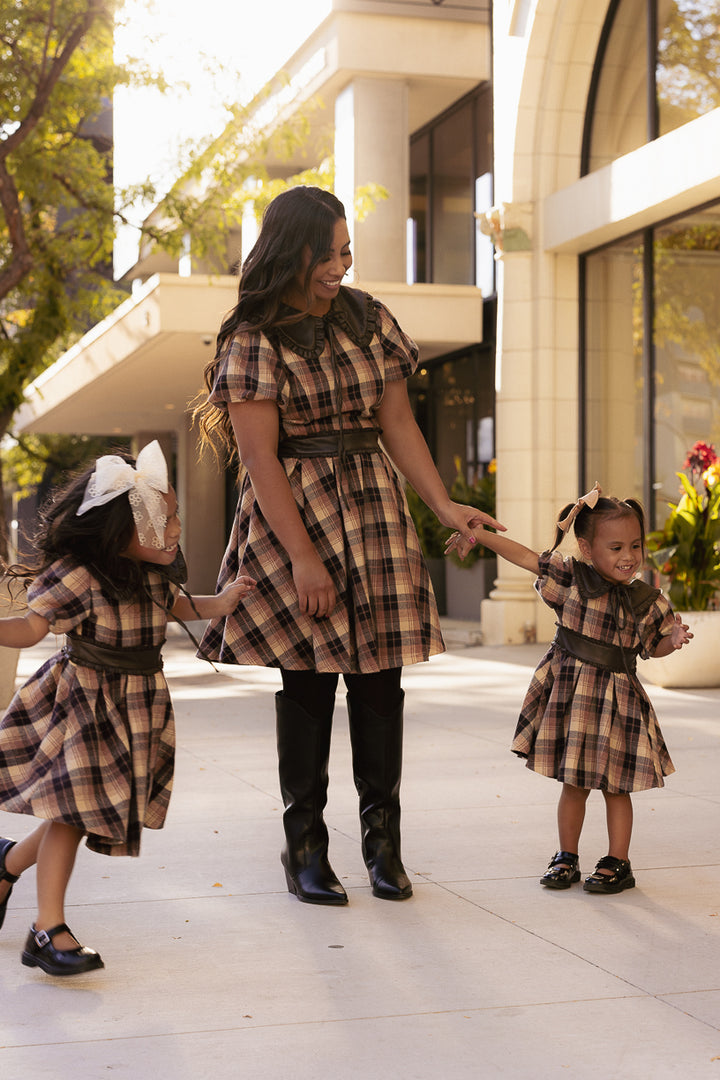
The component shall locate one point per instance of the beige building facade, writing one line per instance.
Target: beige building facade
(587, 346)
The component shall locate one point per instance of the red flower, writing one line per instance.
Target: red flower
(701, 457)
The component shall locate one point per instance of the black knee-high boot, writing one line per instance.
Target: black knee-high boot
(303, 743)
(377, 766)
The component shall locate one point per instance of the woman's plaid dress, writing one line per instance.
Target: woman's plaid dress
(582, 724)
(93, 749)
(357, 516)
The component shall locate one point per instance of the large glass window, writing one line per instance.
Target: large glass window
(450, 181)
(652, 356)
(658, 67)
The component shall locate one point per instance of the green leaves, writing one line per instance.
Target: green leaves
(687, 548)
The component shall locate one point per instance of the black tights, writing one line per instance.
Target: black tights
(315, 691)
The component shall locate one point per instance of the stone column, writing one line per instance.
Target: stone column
(372, 146)
(201, 498)
(510, 615)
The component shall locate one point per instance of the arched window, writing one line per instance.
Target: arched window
(650, 302)
(657, 67)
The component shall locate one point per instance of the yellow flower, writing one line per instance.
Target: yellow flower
(711, 476)
(492, 466)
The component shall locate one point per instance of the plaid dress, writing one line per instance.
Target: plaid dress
(93, 749)
(582, 724)
(357, 516)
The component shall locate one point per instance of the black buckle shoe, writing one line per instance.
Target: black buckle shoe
(5, 875)
(563, 870)
(40, 952)
(620, 878)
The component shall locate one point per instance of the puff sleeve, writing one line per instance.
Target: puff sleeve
(400, 351)
(249, 369)
(62, 594)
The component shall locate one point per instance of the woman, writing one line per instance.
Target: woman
(307, 376)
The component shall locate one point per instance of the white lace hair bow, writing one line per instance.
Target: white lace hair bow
(145, 485)
(589, 500)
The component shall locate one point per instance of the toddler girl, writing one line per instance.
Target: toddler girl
(87, 744)
(586, 720)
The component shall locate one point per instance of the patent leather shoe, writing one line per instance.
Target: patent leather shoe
(5, 875)
(563, 871)
(40, 952)
(620, 877)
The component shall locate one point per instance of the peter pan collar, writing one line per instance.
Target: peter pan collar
(591, 584)
(352, 310)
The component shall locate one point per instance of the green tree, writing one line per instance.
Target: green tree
(58, 206)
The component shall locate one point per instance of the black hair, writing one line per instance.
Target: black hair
(606, 508)
(298, 219)
(95, 539)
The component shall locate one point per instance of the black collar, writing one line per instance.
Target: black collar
(352, 310)
(591, 584)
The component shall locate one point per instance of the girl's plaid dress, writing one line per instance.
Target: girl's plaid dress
(357, 516)
(93, 749)
(580, 723)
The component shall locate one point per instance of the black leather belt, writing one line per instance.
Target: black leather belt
(331, 445)
(105, 658)
(611, 657)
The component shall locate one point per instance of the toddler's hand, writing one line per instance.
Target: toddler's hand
(461, 545)
(233, 593)
(680, 634)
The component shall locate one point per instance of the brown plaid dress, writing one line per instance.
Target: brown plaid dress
(357, 517)
(93, 749)
(582, 724)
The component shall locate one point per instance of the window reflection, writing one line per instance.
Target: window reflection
(613, 367)
(680, 74)
(687, 341)
(684, 358)
(688, 61)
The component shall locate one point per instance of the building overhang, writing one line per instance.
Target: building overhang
(662, 179)
(139, 368)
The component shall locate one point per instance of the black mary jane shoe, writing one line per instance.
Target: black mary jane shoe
(563, 871)
(5, 875)
(620, 878)
(40, 952)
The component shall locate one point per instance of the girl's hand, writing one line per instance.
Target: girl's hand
(229, 597)
(468, 523)
(315, 589)
(680, 634)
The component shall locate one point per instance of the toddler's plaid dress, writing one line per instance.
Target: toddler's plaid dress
(92, 748)
(581, 723)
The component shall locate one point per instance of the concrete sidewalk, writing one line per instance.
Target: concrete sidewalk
(214, 971)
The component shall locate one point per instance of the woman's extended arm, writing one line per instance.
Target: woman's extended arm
(257, 427)
(406, 446)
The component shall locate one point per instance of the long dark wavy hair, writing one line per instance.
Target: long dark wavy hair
(607, 507)
(95, 539)
(297, 220)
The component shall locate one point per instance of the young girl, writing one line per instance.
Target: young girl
(87, 744)
(586, 720)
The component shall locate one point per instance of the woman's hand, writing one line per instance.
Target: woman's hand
(468, 523)
(315, 589)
